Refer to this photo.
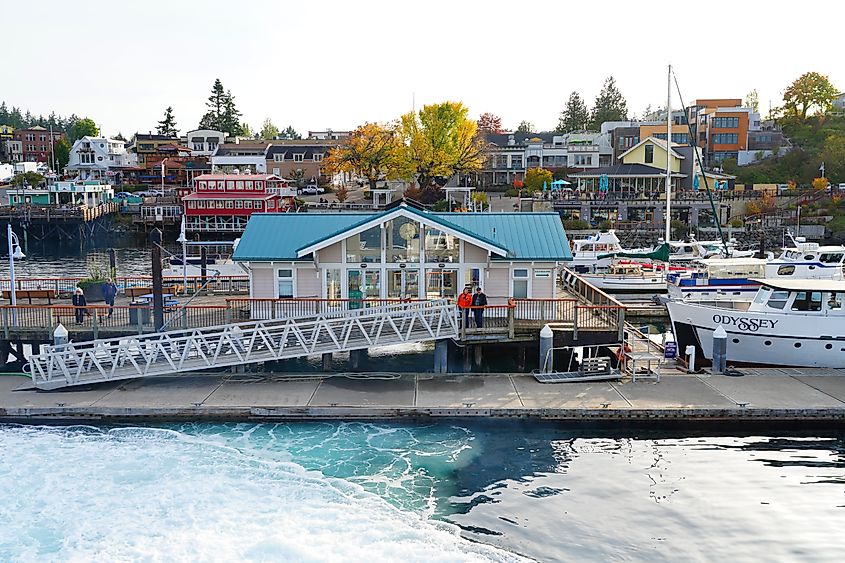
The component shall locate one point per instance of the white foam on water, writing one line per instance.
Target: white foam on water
(84, 494)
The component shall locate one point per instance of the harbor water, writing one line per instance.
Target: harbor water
(493, 491)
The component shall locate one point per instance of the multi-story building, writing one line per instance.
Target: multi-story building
(223, 203)
(12, 150)
(329, 135)
(203, 142)
(301, 161)
(509, 155)
(100, 158)
(721, 127)
(147, 147)
(37, 143)
(240, 156)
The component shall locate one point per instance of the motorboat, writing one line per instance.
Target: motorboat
(797, 322)
(808, 260)
(628, 277)
(595, 251)
(218, 260)
(716, 279)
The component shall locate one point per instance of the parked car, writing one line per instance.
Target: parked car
(150, 193)
(122, 195)
(312, 189)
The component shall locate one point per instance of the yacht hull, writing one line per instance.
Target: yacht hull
(761, 338)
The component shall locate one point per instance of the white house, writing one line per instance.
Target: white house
(204, 142)
(99, 158)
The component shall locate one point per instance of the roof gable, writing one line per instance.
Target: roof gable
(653, 140)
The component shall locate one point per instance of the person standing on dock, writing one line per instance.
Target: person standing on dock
(464, 304)
(479, 301)
(109, 293)
(79, 304)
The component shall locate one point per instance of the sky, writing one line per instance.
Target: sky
(336, 63)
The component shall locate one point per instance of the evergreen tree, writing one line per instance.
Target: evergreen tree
(610, 105)
(216, 102)
(231, 117)
(525, 127)
(4, 114)
(575, 116)
(167, 126)
(268, 130)
(61, 151)
(290, 133)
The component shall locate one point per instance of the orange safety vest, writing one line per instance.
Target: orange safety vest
(464, 300)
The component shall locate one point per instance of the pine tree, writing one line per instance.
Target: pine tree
(213, 118)
(575, 116)
(290, 133)
(167, 126)
(525, 127)
(610, 105)
(231, 118)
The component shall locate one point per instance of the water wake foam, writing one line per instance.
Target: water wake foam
(85, 494)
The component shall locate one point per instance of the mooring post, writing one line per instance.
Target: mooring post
(441, 356)
(203, 265)
(60, 335)
(477, 354)
(720, 349)
(158, 299)
(547, 337)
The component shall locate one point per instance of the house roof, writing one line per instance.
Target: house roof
(516, 236)
(289, 150)
(237, 177)
(154, 137)
(625, 171)
(655, 141)
(228, 195)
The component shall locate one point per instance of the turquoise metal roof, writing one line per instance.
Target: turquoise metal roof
(525, 236)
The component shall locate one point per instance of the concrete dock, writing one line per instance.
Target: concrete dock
(816, 395)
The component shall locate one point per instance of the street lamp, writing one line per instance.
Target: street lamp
(14, 254)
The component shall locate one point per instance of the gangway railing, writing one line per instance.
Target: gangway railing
(252, 342)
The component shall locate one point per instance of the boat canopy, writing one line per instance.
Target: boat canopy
(659, 254)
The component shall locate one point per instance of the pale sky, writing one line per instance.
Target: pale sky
(336, 64)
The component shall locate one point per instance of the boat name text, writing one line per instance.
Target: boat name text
(749, 325)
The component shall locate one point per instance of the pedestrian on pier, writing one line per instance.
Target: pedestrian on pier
(79, 304)
(109, 293)
(479, 301)
(464, 304)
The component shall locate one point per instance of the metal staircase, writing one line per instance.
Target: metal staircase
(241, 343)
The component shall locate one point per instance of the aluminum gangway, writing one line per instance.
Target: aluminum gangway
(252, 342)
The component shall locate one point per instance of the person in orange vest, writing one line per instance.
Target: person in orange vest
(464, 303)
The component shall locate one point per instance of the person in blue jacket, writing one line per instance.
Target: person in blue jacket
(109, 293)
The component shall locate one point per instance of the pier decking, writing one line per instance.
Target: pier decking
(805, 398)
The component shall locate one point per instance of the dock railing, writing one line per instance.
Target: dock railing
(232, 285)
(595, 303)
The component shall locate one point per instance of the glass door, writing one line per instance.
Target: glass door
(403, 284)
(441, 283)
(363, 288)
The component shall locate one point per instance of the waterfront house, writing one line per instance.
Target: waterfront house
(88, 193)
(240, 156)
(203, 142)
(100, 158)
(403, 252)
(299, 160)
(223, 203)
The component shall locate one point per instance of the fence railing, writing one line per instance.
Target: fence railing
(66, 286)
(519, 316)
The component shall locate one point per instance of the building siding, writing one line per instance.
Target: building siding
(543, 288)
(498, 284)
(307, 282)
(331, 254)
(474, 254)
(263, 284)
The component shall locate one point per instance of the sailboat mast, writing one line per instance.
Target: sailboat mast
(669, 156)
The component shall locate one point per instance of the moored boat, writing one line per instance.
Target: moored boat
(789, 323)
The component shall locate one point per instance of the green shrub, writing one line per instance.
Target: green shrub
(575, 224)
(511, 193)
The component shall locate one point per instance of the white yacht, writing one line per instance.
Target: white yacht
(716, 279)
(788, 323)
(593, 252)
(622, 277)
(808, 260)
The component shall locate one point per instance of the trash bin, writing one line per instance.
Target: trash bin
(139, 313)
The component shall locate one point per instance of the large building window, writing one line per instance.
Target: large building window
(441, 247)
(365, 246)
(403, 240)
(333, 283)
(516, 161)
(649, 154)
(725, 122)
(725, 139)
(520, 283)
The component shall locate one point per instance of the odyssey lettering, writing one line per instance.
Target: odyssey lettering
(745, 324)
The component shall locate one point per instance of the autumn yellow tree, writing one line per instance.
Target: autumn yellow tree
(438, 141)
(820, 184)
(808, 91)
(370, 152)
(536, 177)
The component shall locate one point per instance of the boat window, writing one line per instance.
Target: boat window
(762, 295)
(807, 301)
(831, 257)
(786, 270)
(778, 299)
(834, 301)
(809, 257)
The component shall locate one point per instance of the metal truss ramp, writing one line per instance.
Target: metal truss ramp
(251, 342)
